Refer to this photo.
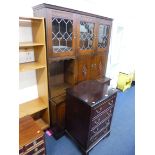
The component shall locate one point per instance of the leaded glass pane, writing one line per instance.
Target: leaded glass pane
(103, 36)
(86, 35)
(62, 30)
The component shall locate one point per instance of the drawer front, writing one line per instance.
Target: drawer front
(106, 114)
(94, 130)
(36, 150)
(98, 135)
(41, 152)
(98, 109)
(34, 143)
(21, 151)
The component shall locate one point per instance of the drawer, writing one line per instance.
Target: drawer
(21, 151)
(100, 107)
(94, 130)
(36, 142)
(36, 150)
(104, 115)
(98, 135)
(41, 152)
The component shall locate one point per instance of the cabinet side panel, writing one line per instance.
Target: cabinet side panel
(42, 84)
(70, 71)
(77, 119)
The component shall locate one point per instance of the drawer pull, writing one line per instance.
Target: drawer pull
(94, 139)
(97, 122)
(34, 143)
(109, 113)
(105, 130)
(96, 130)
(110, 103)
(107, 123)
(98, 111)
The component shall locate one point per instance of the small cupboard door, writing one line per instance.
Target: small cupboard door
(103, 34)
(86, 33)
(84, 68)
(93, 68)
(97, 67)
(60, 33)
(100, 66)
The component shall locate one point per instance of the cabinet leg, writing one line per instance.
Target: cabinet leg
(85, 153)
(107, 135)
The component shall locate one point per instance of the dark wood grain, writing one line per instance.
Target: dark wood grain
(91, 92)
(31, 137)
(66, 69)
(44, 5)
(89, 109)
(28, 130)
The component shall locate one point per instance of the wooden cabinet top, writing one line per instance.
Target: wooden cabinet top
(28, 130)
(91, 92)
(44, 5)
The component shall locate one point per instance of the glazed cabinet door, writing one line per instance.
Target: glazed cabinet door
(86, 35)
(60, 33)
(103, 35)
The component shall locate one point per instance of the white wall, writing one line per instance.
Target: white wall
(121, 53)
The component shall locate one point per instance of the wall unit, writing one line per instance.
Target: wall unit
(77, 50)
(39, 107)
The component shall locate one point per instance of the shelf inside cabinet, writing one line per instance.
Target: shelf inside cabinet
(42, 124)
(29, 44)
(31, 107)
(59, 89)
(30, 66)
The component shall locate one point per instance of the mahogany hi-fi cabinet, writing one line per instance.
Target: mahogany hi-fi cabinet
(89, 111)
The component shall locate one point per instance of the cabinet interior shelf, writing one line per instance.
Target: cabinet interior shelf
(42, 124)
(31, 107)
(29, 44)
(30, 66)
(59, 89)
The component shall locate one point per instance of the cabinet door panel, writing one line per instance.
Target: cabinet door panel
(93, 68)
(84, 68)
(100, 65)
(57, 109)
(103, 35)
(60, 115)
(60, 34)
(97, 67)
(86, 33)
